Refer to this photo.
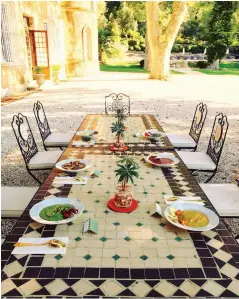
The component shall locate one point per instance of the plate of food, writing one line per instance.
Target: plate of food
(162, 159)
(153, 134)
(56, 210)
(191, 217)
(73, 165)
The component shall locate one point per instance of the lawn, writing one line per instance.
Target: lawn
(129, 68)
(226, 68)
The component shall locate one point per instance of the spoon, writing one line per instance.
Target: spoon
(52, 243)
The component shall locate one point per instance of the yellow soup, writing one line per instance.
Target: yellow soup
(194, 218)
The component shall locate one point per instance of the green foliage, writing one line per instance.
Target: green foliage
(227, 68)
(128, 169)
(125, 19)
(56, 67)
(220, 30)
(120, 115)
(38, 70)
(107, 46)
(177, 48)
(202, 64)
(118, 128)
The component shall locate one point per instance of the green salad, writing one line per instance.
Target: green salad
(58, 212)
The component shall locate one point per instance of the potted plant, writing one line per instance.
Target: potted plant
(128, 169)
(119, 129)
(55, 73)
(39, 76)
(121, 117)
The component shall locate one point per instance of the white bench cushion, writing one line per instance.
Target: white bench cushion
(181, 140)
(44, 160)
(224, 197)
(59, 139)
(14, 200)
(197, 160)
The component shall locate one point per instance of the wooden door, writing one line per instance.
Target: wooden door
(40, 51)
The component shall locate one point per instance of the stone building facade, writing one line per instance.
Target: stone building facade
(44, 34)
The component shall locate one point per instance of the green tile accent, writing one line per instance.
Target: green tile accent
(116, 257)
(170, 257)
(127, 238)
(116, 223)
(148, 212)
(141, 179)
(107, 192)
(152, 185)
(162, 224)
(103, 239)
(144, 257)
(135, 185)
(69, 223)
(157, 201)
(99, 184)
(138, 201)
(145, 192)
(139, 224)
(85, 212)
(77, 239)
(157, 179)
(178, 239)
(87, 257)
(154, 239)
(106, 212)
(89, 192)
(97, 201)
(58, 257)
(163, 193)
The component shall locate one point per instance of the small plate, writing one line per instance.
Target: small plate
(36, 209)
(212, 217)
(85, 133)
(162, 155)
(61, 163)
(162, 134)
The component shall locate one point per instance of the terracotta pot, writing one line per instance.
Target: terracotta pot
(55, 75)
(123, 198)
(39, 78)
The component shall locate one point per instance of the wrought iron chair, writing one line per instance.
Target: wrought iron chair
(55, 139)
(208, 162)
(114, 102)
(190, 141)
(34, 159)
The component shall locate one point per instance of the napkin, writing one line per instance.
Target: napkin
(46, 249)
(61, 180)
(184, 199)
(83, 143)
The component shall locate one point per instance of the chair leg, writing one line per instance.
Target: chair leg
(36, 179)
(61, 148)
(209, 179)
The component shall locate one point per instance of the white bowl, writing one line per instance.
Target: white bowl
(36, 209)
(212, 217)
(163, 155)
(61, 163)
(162, 134)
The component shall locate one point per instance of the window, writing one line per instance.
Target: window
(5, 35)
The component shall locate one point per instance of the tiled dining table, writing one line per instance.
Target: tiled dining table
(133, 255)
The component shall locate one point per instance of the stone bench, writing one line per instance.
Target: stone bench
(224, 198)
(14, 200)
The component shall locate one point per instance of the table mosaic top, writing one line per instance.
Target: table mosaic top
(134, 124)
(133, 255)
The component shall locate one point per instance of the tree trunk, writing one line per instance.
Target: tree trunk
(148, 58)
(214, 65)
(161, 39)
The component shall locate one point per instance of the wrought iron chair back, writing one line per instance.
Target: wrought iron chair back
(198, 121)
(24, 137)
(120, 101)
(218, 136)
(41, 119)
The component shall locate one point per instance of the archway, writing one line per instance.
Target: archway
(87, 43)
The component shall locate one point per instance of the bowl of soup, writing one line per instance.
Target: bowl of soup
(191, 217)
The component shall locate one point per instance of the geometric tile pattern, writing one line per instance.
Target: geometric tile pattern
(133, 255)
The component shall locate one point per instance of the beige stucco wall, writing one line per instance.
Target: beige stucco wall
(65, 22)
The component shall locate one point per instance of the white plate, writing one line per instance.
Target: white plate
(36, 209)
(162, 134)
(212, 217)
(163, 155)
(61, 163)
(85, 133)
